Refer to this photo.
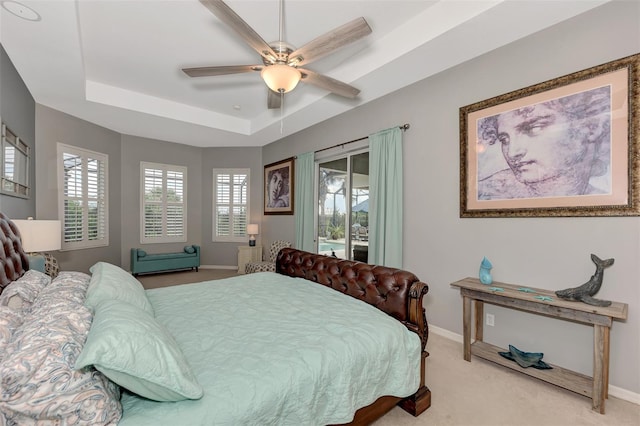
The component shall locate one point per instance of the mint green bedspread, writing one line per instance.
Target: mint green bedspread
(274, 350)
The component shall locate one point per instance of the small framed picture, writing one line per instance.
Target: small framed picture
(279, 187)
(565, 147)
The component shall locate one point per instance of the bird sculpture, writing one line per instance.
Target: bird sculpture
(586, 291)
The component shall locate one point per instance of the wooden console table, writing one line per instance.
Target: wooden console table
(601, 318)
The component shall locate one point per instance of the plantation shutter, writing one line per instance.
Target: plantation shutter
(83, 198)
(223, 201)
(231, 200)
(163, 203)
(95, 198)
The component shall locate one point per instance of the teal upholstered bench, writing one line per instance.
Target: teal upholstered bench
(143, 262)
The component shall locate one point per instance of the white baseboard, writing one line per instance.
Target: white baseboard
(621, 393)
(445, 333)
(624, 394)
(230, 267)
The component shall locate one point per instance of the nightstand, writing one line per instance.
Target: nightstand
(248, 254)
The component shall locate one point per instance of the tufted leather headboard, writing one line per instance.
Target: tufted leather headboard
(394, 291)
(13, 259)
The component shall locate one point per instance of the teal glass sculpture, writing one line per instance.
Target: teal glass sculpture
(485, 271)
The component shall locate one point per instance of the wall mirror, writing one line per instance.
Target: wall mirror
(14, 174)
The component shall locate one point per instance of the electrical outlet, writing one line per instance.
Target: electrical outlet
(491, 320)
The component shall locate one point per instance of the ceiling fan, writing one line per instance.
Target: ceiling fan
(280, 60)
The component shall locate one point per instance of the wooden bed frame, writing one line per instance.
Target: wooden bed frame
(394, 291)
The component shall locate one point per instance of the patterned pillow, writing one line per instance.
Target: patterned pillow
(10, 320)
(21, 293)
(38, 382)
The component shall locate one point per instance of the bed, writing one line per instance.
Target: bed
(266, 348)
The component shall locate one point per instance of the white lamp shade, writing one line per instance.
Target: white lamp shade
(39, 235)
(281, 78)
(253, 229)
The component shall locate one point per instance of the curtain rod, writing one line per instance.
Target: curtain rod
(403, 127)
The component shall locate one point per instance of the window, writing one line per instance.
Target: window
(83, 195)
(230, 204)
(343, 205)
(14, 167)
(163, 204)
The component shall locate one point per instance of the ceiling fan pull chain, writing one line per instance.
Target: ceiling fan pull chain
(281, 112)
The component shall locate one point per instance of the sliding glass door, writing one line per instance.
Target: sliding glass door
(343, 206)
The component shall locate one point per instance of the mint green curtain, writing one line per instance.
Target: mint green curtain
(385, 198)
(304, 202)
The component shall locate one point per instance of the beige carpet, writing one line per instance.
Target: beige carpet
(473, 393)
(184, 277)
(482, 393)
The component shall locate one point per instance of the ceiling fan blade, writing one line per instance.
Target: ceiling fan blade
(328, 83)
(274, 100)
(223, 70)
(327, 43)
(229, 17)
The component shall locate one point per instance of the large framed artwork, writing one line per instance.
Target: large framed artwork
(565, 147)
(278, 187)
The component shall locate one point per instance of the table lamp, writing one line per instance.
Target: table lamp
(39, 236)
(252, 230)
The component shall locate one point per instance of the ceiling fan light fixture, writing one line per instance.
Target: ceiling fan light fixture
(281, 78)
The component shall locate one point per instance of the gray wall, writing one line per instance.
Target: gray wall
(18, 111)
(53, 126)
(551, 253)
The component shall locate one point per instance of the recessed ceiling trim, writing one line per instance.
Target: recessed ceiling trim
(135, 101)
(51, 58)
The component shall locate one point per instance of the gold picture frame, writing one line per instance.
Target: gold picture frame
(279, 187)
(565, 147)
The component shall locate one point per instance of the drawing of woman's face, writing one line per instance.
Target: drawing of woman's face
(540, 144)
(276, 184)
